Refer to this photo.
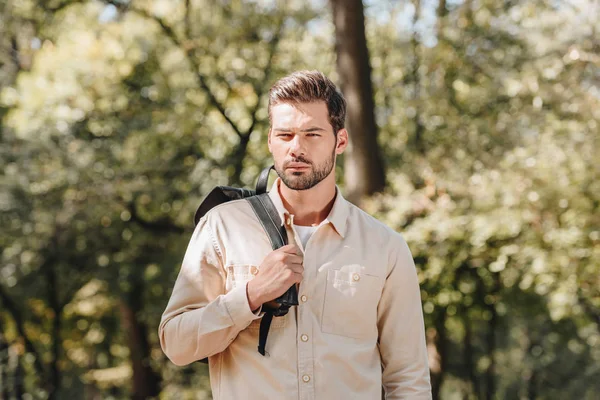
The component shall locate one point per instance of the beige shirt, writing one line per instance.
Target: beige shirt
(359, 325)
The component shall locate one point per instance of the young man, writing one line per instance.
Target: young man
(359, 325)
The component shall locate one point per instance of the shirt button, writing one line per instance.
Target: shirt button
(304, 338)
(356, 277)
(303, 298)
(306, 378)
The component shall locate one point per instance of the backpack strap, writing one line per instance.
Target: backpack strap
(269, 218)
(263, 179)
(263, 332)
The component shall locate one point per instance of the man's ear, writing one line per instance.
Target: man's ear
(342, 141)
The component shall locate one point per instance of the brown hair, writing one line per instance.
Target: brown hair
(309, 87)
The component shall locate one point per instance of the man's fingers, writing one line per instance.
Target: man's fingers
(295, 277)
(291, 249)
(296, 268)
(298, 278)
(294, 259)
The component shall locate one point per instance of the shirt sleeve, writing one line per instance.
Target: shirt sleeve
(401, 329)
(201, 319)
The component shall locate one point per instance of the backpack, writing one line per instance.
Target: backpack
(267, 214)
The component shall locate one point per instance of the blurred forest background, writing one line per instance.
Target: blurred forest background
(475, 126)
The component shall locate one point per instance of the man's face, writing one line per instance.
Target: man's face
(303, 143)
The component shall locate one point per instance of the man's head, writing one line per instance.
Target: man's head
(307, 114)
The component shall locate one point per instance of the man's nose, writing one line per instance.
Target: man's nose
(297, 146)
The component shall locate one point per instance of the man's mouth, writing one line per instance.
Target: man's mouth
(297, 166)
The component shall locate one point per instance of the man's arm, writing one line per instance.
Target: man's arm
(401, 329)
(201, 319)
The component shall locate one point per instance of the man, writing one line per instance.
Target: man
(359, 326)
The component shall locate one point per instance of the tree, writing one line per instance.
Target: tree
(364, 172)
(110, 140)
(484, 206)
(109, 169)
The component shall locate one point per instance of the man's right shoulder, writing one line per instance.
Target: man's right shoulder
(233, 211)
(236, 232)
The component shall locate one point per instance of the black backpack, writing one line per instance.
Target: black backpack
(269, 218)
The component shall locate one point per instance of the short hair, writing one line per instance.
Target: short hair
(310, 87)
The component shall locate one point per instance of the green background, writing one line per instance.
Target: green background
(117, 117)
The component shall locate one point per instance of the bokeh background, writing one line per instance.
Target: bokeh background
(478, 120)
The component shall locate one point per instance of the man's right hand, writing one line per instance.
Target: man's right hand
(281, 269)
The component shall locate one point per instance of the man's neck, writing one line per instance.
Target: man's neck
(311, 206)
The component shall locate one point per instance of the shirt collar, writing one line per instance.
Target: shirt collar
(337, 216)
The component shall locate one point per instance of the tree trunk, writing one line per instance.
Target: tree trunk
(54, 302)
(490, 376)
(363, 164)
(18, 378)
(468, 354)
(3, 365)
(146, 383)
(491, 343)
(532, 386)
(416, 78)
(530, 374)
(441, 15)
(14, 375)
(436, 338)
(237, 159)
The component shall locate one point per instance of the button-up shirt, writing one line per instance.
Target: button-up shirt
(358, 329)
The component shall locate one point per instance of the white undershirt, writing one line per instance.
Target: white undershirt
(305, 232)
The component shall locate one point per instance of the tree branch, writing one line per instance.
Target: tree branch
(188, 23)
(259, 89)
(238, 153)
(60, 6)
(161, 226)
(189, 51)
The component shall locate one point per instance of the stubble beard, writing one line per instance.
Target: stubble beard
(304, 180)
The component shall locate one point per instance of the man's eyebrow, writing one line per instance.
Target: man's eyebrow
(311, 129)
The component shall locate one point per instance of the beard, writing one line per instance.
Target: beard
(304, 180)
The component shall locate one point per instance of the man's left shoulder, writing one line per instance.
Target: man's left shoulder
(376, 227)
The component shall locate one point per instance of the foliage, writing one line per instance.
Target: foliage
(116, 117)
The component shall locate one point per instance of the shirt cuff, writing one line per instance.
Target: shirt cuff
(236, 302)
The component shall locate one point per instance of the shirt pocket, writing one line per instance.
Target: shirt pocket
(350, 306)
(238, 275)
